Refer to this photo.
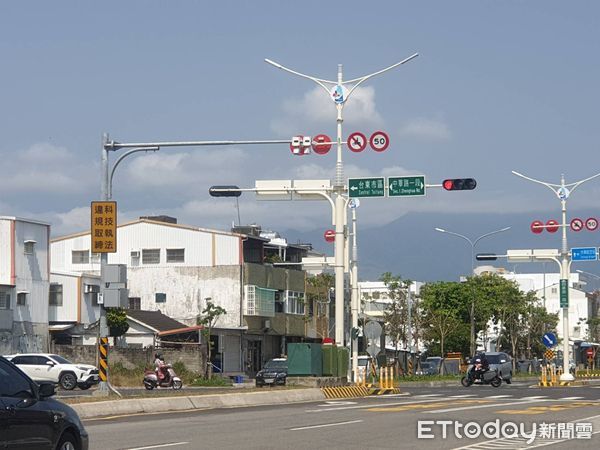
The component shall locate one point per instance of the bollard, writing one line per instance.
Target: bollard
(543, 379)
(391, 378)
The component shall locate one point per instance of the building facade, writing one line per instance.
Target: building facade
(24, 285)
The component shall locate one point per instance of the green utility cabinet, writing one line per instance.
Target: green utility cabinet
(305, 359)
(330, 360)
(343, 361)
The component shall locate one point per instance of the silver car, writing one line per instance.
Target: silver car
(503, 363)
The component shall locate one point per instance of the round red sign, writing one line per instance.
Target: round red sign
(590, 352)
(329, 235)
(552, 226)
(296, 147)
(321, 144)
(537, 226)
(576, 224)
(591, 224)
(379, 141)
(357, 142)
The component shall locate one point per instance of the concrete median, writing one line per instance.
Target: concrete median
(184, 403)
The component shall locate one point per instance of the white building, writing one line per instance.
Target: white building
(24, 282)
(177, 269)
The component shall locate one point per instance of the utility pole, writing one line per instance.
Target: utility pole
(563, 191)
(339, 92)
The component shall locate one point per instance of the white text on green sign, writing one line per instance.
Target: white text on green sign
(406, 186)
(366, 187)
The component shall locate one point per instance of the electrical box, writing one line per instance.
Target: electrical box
(115, 298)
(114, 273)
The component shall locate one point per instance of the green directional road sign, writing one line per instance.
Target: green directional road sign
(366, 187)
(406, 186)
(564, 293)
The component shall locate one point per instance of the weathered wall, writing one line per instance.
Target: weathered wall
(193, 357)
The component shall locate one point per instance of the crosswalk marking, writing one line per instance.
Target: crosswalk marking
(571, 398)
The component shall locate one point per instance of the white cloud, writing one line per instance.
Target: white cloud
(316, 109)
(46, 153)
(425, 129)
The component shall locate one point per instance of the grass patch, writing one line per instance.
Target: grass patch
(122, 376)
(215, 380)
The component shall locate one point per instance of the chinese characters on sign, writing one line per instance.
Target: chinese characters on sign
(366, 187)
(104, 227)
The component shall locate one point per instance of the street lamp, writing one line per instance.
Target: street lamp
(583, 272)
(473, 243)
(339, 93)
(563, 191)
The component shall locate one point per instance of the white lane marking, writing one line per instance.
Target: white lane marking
(491, 405)
(429, 395)
(498, 396)
(171, 444)
(535, 397)
(376, 405)
(325, 425)
(570, 398)
(463, 396)
(338, 403)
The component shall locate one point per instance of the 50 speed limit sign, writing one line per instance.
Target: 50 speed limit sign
(379, 141)
(591, 224)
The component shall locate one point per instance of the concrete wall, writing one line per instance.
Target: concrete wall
(193, 357)
(187, 289)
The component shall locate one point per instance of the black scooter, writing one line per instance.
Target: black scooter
(478, 373)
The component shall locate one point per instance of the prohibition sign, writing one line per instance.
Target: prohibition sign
(537, 226)
(357, 142)
(576, 224)
(552, 226)
(591, 224)
(329, 235)
(321, 144)
(379, 141)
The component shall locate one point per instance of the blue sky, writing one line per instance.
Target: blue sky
(498, 86)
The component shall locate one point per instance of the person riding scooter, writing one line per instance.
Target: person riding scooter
(160, 367)
(480, 365)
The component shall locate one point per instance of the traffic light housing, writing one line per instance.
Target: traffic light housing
(459, 184)
(224, 191)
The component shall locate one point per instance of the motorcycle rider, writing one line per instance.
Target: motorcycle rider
(160, 366)
(480, 359)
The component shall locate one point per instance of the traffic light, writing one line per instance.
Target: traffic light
(224, 191)
(460, 184)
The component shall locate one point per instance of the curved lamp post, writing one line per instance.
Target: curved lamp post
(472, 243)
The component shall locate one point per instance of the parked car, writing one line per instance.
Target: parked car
(31, 419)
(502, 362)
(55, 368)
(427, 368)
(274, 372)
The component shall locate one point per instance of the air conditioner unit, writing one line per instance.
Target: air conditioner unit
(266, 325)
(135, 254)
(91, 288)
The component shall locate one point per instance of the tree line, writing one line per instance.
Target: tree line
(449, 316)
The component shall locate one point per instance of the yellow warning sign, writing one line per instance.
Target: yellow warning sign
(104, 227)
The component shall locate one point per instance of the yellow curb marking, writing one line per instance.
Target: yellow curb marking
(549, 408)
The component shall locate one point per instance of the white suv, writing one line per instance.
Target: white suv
(55, 368)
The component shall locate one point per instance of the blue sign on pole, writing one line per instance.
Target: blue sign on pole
(549, 340)
(584, 254)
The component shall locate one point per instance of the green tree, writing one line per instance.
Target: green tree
(539, 321)
(116, 320)
(395, 315)
(318, 288)
(208, 318)
(441, 304)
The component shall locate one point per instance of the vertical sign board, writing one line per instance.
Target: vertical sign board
(564, 293)
(104, 227)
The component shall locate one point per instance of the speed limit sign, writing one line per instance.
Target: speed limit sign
(591, 224)
(379, 141)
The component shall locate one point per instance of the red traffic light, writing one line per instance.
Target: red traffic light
(459, 184)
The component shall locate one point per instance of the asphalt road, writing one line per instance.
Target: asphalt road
(562, 417)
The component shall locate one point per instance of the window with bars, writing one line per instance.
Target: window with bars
(294, 302)
(151, 256)
(80, 257)
(4, 300)
(22, 298)
(259, 301)
(56, 294)
(28, 247)
(175, 255)
(135, 303)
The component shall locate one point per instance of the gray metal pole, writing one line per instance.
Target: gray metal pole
(354, 299)
(105, 193)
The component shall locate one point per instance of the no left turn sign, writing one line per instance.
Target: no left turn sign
(357, 142)
(576, 224)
